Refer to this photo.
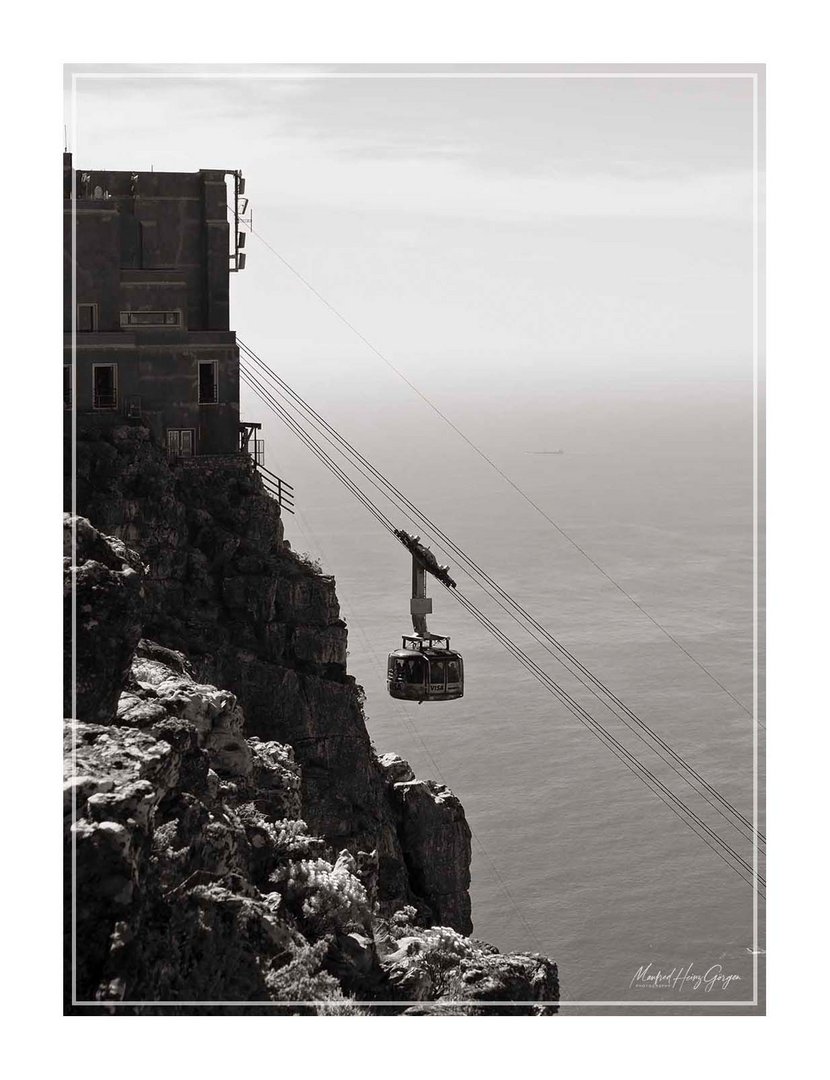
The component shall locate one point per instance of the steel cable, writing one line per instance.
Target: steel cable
(620, 751)
(641, 729)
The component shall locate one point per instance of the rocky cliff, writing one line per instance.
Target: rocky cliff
(235, 836)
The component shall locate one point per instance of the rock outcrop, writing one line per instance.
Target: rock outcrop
(106, 578)
(448, 973)
(435, 838)
(233, 834)
(197, 880)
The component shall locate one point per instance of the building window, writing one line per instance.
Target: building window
(104, 386)
(87, 322)
(180, 442)
(151, 318)
(208, 382)
(67, 386)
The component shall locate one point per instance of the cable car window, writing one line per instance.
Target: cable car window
(453, 672)
(410, 669)
(437, 672)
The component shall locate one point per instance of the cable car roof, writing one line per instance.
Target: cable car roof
(430, 654)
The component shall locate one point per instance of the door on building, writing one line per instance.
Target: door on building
(180, 442)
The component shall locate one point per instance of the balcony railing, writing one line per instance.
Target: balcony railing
(254, 447)
(277, 488)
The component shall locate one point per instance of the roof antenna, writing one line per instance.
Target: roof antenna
(65, 143)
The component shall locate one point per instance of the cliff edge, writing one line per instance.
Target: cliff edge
(233, 834)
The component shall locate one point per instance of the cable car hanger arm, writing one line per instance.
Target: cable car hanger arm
(420, 605)
(424, 556)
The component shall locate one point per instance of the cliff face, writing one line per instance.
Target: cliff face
(196, 879)
(222, 586)
(236, 837)
(108, 608)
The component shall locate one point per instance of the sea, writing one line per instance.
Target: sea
(659, 485)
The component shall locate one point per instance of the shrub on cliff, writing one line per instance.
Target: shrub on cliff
(307, 562)
(301, 978)
(325, 898)
(292, 840)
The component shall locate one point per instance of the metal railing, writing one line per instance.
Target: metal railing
(277, 488)
(274, 485)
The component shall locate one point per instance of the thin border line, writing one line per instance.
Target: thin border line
(414, 75)
(74, 622)
(435, 1001)
(756, 310)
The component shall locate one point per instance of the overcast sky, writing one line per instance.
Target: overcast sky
(489, 224)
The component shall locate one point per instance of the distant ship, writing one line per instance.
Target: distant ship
(544, 451)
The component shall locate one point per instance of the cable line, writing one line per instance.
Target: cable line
(723, 849)
(587, 679)
(477, 449)
(329, 464)
(674, 804)
(695, 776)
(677, 807)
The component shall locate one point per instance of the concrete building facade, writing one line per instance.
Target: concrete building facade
(148, 301)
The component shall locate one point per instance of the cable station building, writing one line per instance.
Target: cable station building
(147, 303)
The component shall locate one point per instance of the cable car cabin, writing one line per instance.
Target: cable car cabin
(425, 669)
